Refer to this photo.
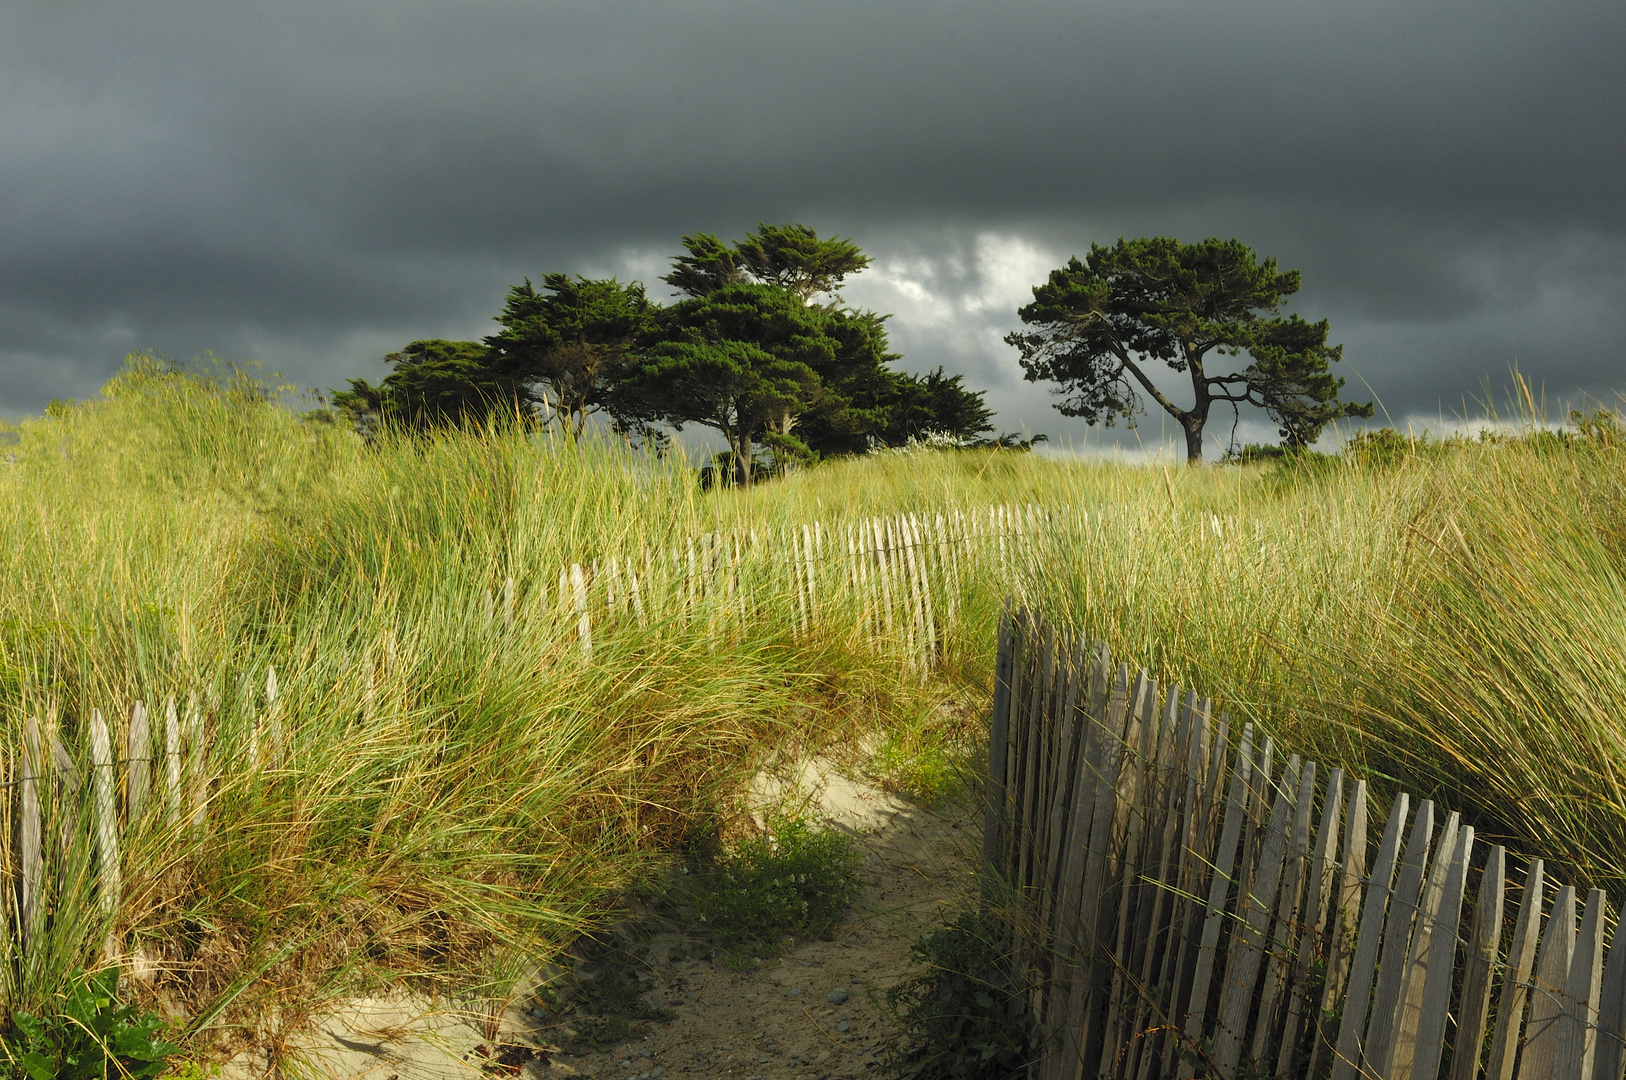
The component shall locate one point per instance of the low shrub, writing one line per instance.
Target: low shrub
(796, 880)
(960, 1019)
(88, 1034)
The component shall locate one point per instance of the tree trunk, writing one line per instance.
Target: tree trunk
(742, 460)
(1193, 425)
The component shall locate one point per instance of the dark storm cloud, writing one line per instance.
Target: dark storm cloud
(317, 183)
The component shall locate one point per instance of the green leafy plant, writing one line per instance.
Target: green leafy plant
(89, 1034)
(960, 1019)
(796, 880)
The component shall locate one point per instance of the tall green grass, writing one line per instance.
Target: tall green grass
(1451, 624)
(450, 794)
(456, 793)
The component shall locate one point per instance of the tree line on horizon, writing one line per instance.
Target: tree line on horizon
(760, 349)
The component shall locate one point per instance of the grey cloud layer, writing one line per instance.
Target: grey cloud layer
(314, 182)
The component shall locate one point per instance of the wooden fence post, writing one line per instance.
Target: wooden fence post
(172, 763)
(993, 839)
(32, 829)
(584, 626)
(138, 771)
(105, 810)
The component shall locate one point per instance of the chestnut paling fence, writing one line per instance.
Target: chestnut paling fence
(1185, 903)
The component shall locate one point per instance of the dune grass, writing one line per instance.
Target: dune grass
(456, 792)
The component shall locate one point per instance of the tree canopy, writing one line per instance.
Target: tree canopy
(1100, 323)
(792, 257)
(740, 360)
(760, 349)
(435, 384)
(569, 345)
(844, 396)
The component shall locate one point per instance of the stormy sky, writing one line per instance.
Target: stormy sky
(315, 184)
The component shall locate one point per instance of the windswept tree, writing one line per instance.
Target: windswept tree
(858, 398)
(569, 344)
(1102, 323)
(792, 257)
(434, 384)
(737, 360)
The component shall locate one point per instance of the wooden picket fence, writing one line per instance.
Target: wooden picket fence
(1186, 904)
(77, 792)
(72, 806)
(895, 581)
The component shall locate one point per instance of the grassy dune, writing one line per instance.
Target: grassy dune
(458, 790)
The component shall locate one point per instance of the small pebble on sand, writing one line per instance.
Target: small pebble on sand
(836, 996)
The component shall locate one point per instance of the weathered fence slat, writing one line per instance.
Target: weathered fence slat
(1098, 907)
(1345, 926)
(31, 828)
(993, 832)
(1182, 901)
(1218, 894)
(1414, 972)
(1363, 963)
(1247, 947)
(106, 811)
(1097, 782)
(1578, 1006)
(1215, 770)
(1438, 965)
(138, 771)
(1540, 1058)
(1322, 869)
(1608, 1063)
(172, 763)
(1403, 905)
(1150, 931)
(1515, 980)
(1279, 959)
(1483, 942)
(1132, 790)
(1066, 775)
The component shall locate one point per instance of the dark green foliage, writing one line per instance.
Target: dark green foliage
(1600, 428)
(568, 346)
(792, 257)
(960, 1018)
(846, 400)
(435, 384)
(740, 360)
(796, 880)
(1383, 447)
(936, 403)
(88, 1034)
(747, 353)
(1101, 320)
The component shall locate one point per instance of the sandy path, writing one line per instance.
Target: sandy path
(778, 1020)
(785, 1017)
